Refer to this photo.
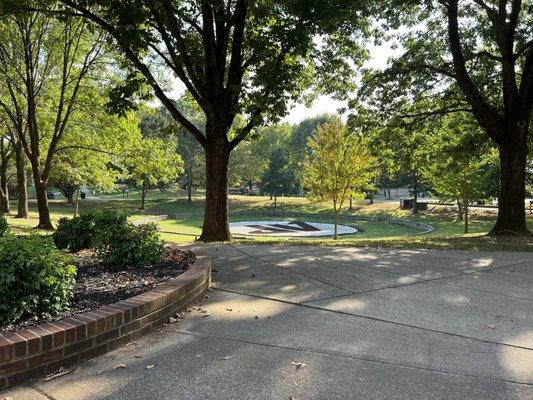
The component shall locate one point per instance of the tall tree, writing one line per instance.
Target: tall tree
(480, 60)
(43, 63)
(339, 166)
(233, 57)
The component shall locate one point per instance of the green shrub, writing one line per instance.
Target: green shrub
(117, 242)
(128, 245)
(3, 226)
(79, 232)
(36, 279)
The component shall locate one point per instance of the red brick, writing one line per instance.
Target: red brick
(45, 357)
(81, 328)
(58, 333)
(34, 341)
(106, 336)
(7, 368)
(99, 320)
(93, 352)
(70, 331)
(23, 376)
(75, 348)
(18, 344)
(46, 337)
(89, 321)
(121, 341)
(6, 351)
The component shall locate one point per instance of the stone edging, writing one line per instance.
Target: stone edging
(424, 228)
(37, 351)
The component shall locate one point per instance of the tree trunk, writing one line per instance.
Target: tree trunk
(275, 202)
(465, 210)
(4, 201)
(335, 223)
(415, 198)
(511, 205)
(351, 203)
(4, 191)
(144, 190)
(77, 202)
(70, 198)
(42, 203)
(460, 211)
(22, 183)
(216, 219)
(388, 194)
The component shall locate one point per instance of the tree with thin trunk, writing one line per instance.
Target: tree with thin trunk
(279, 179)
(459, 171)
(6, 153)
(338, 167)
(22, 181)
(152, 163)
(43, 63)
(233, 57)
(471, 56)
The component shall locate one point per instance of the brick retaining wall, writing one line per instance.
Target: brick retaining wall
(37, 351)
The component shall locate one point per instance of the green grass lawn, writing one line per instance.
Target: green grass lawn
(448, 232)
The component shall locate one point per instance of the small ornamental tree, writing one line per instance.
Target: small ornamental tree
(279, 179)
(339, 166)
(154, 162)
(459, 172)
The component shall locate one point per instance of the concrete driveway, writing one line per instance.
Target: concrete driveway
(287, 322)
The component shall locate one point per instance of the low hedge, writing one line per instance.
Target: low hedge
(36, 279)
(117, 242)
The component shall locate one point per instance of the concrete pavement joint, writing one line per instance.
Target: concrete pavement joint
(42, 392)
(289, 270)
(420, 281)
(348, 356)
(351, 292)
(375, 319)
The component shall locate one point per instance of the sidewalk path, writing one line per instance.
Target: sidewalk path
(290, 322)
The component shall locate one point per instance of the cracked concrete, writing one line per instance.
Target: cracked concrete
(367, 324)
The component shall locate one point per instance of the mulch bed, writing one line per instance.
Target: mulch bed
(97, 286)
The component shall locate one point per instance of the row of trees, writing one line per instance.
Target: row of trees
(242, 61)
(53, 120)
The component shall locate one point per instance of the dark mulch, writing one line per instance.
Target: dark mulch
(97, 286)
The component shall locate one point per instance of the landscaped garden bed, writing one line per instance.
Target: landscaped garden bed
(97, 286)
(118, 283)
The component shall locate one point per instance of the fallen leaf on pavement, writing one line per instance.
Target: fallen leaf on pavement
(491, 326)
(151, 366)
(120, 366)
(226, 358)
(298, 364)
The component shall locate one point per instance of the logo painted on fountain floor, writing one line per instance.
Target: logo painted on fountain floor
(287, 228)
(293, 226)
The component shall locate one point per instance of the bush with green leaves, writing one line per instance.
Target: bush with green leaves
(79, 233)
(36, 279)
(128, 245)
(3, 226)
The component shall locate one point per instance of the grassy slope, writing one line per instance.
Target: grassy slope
(447, 234)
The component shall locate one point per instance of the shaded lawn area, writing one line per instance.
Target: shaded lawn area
(448, 232)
